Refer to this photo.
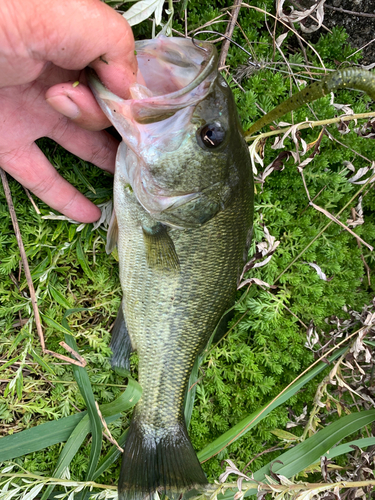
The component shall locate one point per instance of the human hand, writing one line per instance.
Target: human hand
(44, 46)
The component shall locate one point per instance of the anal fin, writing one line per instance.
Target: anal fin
(160, 250)
(121, 345)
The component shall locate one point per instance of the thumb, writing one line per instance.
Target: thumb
(77, 103)
(74, 35)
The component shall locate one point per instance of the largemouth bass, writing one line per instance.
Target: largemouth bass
(183, 199)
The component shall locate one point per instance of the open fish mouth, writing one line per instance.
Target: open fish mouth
(177, 74)
(159, 120)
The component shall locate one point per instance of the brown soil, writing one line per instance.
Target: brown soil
(361, 29)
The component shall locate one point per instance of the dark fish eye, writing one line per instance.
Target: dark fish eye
(212, 135)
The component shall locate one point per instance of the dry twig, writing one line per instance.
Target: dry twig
(25, 264)
(107, 434)
(229, 32)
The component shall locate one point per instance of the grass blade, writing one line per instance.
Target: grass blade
(111, 456)
(252, 420)
(50, 433)
(191, 390)
(84, 384)
(71, 447)
(39, 437)
(82, 260)
(310, 450)
(343, 449)
(307, 453)
(85, 388)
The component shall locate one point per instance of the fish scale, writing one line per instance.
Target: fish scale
(183, 203)
(171, 316)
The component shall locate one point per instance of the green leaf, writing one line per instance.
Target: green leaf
(191, 390)
(82, 177)
(59, 297)
(41, 362)
(307, 453)
(50, 433)
(9, 363)
(82, 260)
(285, 435)
(19, 385)
(38, 437)
(71, 448)
(343, 449)
(110, 412)
(72, 231)
(85, 388)
(51, 322)
(252, 420)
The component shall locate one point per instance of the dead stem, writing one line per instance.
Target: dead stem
(74, 353)
(32, 201)
(344, 11)
(25, 263)
(332, 217)
(107, 434)
(229, 32)
(311, 124)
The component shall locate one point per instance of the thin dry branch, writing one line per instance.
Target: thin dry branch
(25, 263)
(334, 219)
(369, 181)
(344, 11)
(64, 358)
(289, 28)
(74, 353)
(32, 201)
(107, 434)
(229, 32)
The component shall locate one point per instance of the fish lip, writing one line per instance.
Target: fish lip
(163, 102)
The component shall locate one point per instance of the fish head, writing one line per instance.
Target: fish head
(180, 132)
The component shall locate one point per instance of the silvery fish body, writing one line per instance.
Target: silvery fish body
(183, 198)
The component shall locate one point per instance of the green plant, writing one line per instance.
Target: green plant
(265, 349)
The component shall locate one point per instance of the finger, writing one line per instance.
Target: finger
(78, 104)
(99, 148)
(31, 168)
(97, 36)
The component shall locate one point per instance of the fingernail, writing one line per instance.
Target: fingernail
(64, 105)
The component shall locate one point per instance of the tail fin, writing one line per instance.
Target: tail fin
(166, 463)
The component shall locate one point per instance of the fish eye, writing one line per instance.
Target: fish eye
(212, 135)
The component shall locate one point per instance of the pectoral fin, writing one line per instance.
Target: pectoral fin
(160, 250)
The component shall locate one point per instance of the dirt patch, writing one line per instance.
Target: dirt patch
(360, 27)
